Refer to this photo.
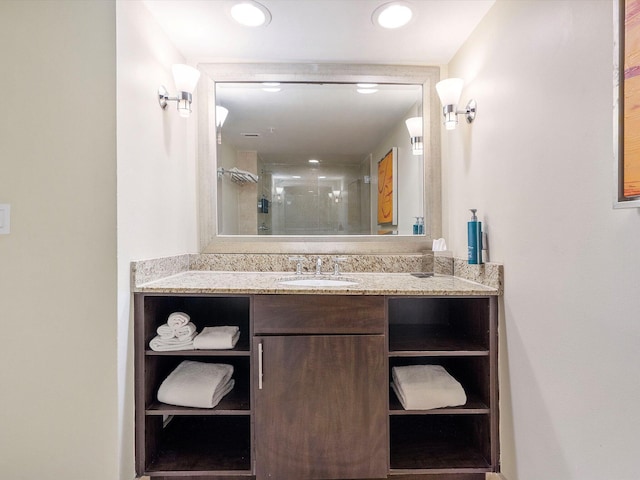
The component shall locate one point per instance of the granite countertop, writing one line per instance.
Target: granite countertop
(201, 282)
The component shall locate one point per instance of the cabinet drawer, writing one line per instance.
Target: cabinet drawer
(318, 314)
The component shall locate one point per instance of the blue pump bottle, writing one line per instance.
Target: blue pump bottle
(474, 238)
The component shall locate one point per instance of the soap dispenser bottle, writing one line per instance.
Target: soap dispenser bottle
(474, 238)
(416, 226)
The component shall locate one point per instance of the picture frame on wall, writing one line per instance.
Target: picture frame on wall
(626, 96)
(388, 188)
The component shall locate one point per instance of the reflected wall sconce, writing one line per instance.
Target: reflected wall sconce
(414, 125)
(279, 192)
(221, 116)
(337, 194)
(449, 91)
(185, 78)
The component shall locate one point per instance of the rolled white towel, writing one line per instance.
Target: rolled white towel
(165, 331)
(159, 344)
(423, 387)
(196, 384)
(217, 338)
(178, 319)
(185, 332)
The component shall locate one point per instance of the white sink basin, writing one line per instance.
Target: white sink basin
(318, 282)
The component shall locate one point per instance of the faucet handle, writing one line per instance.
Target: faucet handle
(336, 264)
(299, 261)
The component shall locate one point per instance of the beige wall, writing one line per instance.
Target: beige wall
(58, 411)
(156, 181)
(537, 164)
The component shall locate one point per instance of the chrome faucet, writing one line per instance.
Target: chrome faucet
(319, 266)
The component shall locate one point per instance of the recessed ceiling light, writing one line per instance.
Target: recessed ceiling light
(367, 91)
(392, 15)
(251, 14)
(272, 89)
(271, 84)
(367, 85)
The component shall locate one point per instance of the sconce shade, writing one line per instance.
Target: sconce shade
(185, 77)
(449, 91)
(414, 125)
(221, 115)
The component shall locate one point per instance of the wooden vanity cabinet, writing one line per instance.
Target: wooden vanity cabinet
(312, 397)
(320, 387)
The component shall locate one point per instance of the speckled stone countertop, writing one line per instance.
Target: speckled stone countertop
(201, 282)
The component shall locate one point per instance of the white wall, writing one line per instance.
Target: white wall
(156, 180)
(538, 165)
(58, 414)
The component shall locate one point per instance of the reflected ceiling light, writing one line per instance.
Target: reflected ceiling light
(251, 14)
(392, 15)
(296, 176)
(272, 89)
(314, 161)
(449, 91)
(271, 84)
(186, 78)
(321, 177)
(367, 91)
(414, 125)
(367, 85)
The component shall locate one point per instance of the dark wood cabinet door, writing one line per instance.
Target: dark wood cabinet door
(321, 407)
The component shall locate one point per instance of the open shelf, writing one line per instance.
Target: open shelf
(439, 442)
(202, 445)
(236, 402)
(241, 349)
(436, 340)
(474, 406)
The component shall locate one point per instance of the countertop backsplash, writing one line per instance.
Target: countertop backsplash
(488, 274)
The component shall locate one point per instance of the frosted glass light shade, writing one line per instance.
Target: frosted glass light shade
(414, 125)
(221, 115)
(449, 90)
(185, 77)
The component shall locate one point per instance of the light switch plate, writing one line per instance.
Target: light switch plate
(5, 218)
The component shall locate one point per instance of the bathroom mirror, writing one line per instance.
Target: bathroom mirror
(293, 154)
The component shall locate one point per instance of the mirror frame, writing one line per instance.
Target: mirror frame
(212, 242)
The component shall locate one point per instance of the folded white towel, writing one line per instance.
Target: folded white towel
(217, 338)
(196, 384)
(178, 319)
(423, 387)
(160, 344)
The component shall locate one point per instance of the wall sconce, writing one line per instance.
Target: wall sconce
(449, 91)
(414, 125)
(279, 191)
(185, 78)
(221, 116)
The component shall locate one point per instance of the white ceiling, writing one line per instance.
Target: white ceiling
(315, 31)
(319, 31)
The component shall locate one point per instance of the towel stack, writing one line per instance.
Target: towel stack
(196, 384)
(217, 338)
(423, 387)
(177, 334)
